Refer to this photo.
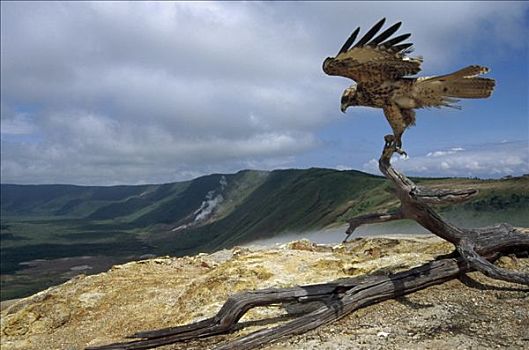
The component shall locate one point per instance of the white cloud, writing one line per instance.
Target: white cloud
(443, 153)
(19, 124)
(490, 160)
(156, 91)
(342, 167)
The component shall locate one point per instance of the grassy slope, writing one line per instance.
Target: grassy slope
(256, 204)
(289, 200)
(59, 221)
(497, 201)
(61, 200)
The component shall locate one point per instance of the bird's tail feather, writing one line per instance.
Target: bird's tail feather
(464, 83)
(467, 72)
(474, 87)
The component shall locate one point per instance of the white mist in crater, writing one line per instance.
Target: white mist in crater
(211, 201)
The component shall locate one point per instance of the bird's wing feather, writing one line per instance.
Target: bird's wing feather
(372, 61)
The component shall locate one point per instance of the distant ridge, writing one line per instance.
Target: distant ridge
(247, 202)
(119, 223)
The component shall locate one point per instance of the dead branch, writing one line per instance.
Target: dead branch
(339, 298)
(436, 197)
(476, 249)
(371, 219)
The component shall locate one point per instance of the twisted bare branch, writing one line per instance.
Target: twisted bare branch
(476, 249)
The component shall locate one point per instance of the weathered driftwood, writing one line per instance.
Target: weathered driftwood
(476, 249)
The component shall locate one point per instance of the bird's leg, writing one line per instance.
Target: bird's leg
(394, 142)
(398, 145)
(389, 140)
(398, 140)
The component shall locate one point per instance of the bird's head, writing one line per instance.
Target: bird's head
(349, 98)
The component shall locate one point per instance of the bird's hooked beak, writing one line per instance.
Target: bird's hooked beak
(343, 108)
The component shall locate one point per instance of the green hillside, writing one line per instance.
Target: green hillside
(289, 200)
(119, 223)
(61, 200)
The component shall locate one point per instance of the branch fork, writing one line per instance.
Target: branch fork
(476, 249)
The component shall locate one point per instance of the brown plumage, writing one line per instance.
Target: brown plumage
(380, 65)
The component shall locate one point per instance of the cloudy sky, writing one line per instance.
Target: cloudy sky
(124, 93)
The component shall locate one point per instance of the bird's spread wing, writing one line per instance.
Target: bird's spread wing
(374, 59)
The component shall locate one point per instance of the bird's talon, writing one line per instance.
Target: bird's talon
(401, 152)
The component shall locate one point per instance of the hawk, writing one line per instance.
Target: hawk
(381, 67)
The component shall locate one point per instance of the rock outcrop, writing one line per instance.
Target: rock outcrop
(164, 291)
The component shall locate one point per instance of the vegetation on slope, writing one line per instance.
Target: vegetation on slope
(211, 212)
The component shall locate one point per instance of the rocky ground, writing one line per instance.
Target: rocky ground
(471, 313)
